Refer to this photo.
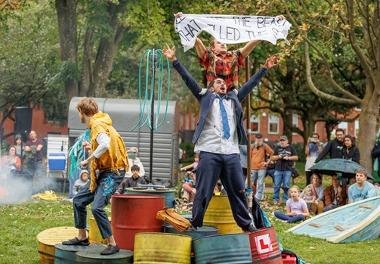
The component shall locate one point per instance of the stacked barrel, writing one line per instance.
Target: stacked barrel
(139, 235)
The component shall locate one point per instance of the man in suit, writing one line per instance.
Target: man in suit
(217, 137)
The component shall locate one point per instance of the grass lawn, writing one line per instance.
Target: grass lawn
(20, 224)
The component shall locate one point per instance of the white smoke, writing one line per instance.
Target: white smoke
(19, 187)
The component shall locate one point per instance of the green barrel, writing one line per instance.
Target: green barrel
(93, 256)
(168, 194)
(228, 249)
(65, 254)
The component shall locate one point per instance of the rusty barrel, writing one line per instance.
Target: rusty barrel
(48, 238)
(132, 214)
(223, 249)
(219, 214)
(264, 246)
(162, 248)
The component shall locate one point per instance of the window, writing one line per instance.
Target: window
(295, 119)
(357, 127)
(273, 127)
(255, 124)
(343, 125)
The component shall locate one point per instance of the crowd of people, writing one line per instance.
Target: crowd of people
(278, 162)
(25, 160)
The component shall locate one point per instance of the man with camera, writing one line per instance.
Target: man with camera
(285, 154)
(312, 150)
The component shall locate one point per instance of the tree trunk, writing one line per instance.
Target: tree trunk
(67, 27)
(86, 76)
(367, 125)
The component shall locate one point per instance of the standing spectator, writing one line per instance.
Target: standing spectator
(134, 160)
(11, 163)
(350, 151)
(19, 146)
(362, 189)
(296, 208)
(81, 182)
(284, 155)
(312, 150)
(132, 181)
(316, 188)
(34, 158)
(376, 158)
(333, 147)
(335, 195)
(259, 152)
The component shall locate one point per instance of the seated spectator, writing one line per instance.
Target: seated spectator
(189, 187)
(81, 182)
(134, 160)
(11, 163)
(315, 197)
(335, 195)
(296, 208)
(132, 181)
(362, 189)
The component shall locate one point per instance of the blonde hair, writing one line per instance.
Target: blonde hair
(294, 187)
(87, 106)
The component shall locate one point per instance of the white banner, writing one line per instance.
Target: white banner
(230, 29)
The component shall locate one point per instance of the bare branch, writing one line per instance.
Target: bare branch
(365, 62)
(315, 90)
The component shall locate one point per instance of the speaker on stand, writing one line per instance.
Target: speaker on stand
(23, 123)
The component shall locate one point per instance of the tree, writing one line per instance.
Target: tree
(28, 61)
(335, 29)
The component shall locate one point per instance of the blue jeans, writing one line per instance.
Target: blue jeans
(281, 178)
(289, 218)
(106, 186)
(258, 176)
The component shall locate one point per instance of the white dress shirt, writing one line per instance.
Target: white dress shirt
(211, 138)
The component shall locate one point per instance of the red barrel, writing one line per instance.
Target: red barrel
(133, 214)
(264, 246)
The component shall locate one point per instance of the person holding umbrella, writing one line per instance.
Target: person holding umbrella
(333, 147)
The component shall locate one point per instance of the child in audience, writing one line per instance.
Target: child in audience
(81, 182)
(296, 208)
(132, 181)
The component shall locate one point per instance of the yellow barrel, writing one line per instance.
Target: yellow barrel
(161, 248)
(219, 214)
(48, 238)
(94, 235)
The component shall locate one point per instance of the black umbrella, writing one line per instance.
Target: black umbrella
(332, 166)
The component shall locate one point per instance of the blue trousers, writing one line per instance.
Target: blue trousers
(289, 218)
(281, 178)
(106, 185)
(226, 167)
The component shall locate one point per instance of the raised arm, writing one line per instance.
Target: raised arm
(247, 49)
(200, 48)
(255, 79)
(186, 76)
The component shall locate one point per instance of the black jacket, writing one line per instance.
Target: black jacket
(352, 154)
(376, 152)
(334, 148)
